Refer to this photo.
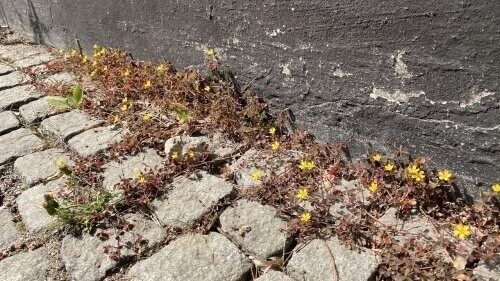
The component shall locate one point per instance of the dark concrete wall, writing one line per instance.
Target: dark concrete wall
(424, 74)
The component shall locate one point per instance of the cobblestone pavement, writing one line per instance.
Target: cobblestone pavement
(33, 136)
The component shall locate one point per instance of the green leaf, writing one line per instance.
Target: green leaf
(60, 102)
(181, 112)
(77, 96)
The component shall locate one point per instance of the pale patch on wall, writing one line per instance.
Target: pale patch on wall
(400, 66)
(476, 98)
(397, 95)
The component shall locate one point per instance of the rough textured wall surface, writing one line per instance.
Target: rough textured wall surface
(424, 74)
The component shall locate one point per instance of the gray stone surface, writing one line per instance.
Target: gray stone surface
(9, 233)
(8, 121)
(487, 272)
(314, 262)
(12, 79)
(190, 198)
(17, 52)
(63, 78)
(4, 69)
(84, 258)
(30, 205)
(37, 166)
(25, 266)
(14, 97)
(194, 257)
(215, 145)
(419, 73)
(274, 275)
(18, 143)
(414, 226)
(256, 228)
(115, 171)
(66, 125)
(94, 141)
(38, 110)
(254, 160)
(33, 60)
(354, 191)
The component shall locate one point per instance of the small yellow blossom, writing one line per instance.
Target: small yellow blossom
(116, 119)
(126, 73)
(272, 131)
(192, 153)
(444, 175)
(389, 167)
(105, 68)
(60, 163)
(376, 157)
(93, 73)
(85, 59)
(302, 193)
(306, 165)
(207, 88)
(305, 217)
(256, 175)
(496, 187)
(148, 84)
(73, 52)
(175, 155)
(94, 63)
(462, 231)
(124, 107)
(418, 176)
(275, 145)
(160, 68)
(96, 46)
(125, 123)
(210, 52)
(146, 116)
(139, 178)
(61, 51)
(373, 186)
(413, 169)
(103, 51)
(125, 100)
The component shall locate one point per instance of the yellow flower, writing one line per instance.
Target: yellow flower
(93, 73)
(60, 163)
(444, 175)
(126, 73)
(175, 155)
(462, 231)
(207, 88)
(192, 153)
(275, 145)
(256, 175)
(124, 107)
(272, 131)
(125, 123)
(102, 52)
(210, 52)
(306, 165)
(147, 116)
(61, 51)
(305, 217)
(413, 169)
(94, 63)
(125, 100)
(160, 68)
(418, 176)
(496, 187)
(105, 68)
(139, 178)
(302, 193)
(96, 46)
(116, 119)
(389, 167)
(148, 84)
(376, 157)
(73, 52)
(373, 186)
(85, 59)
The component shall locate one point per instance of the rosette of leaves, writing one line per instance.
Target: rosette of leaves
(73, 100)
